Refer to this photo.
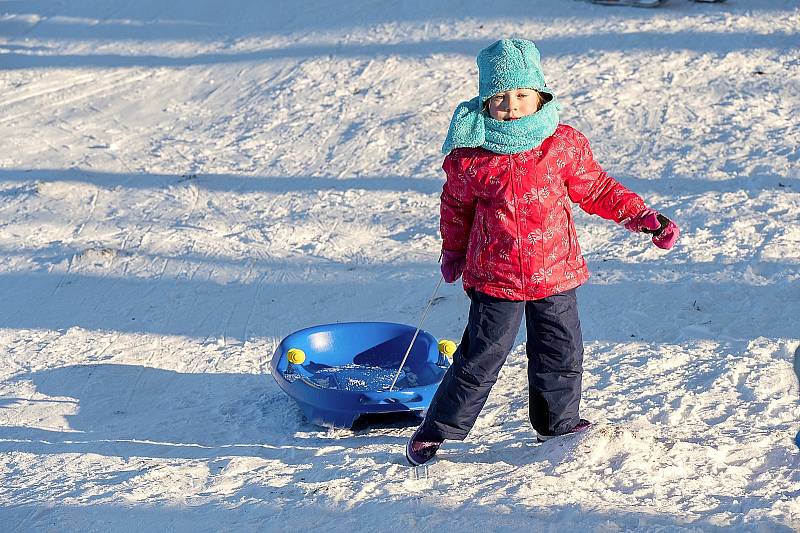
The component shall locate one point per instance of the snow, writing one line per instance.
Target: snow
(182, 184)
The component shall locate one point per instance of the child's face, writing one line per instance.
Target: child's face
(513, 104)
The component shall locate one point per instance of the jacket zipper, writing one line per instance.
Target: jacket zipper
(517, 217)
(543, 254)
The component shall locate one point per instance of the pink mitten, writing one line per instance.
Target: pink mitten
(452, 265)
(664, 231)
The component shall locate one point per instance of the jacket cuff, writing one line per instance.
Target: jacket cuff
(631, 210)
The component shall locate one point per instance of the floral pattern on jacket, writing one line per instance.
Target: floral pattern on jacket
(511, 214)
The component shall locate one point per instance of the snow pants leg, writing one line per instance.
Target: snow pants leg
(555, 357)
(555, 363)
(488, 338)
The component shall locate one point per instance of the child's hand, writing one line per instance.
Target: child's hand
(452, 265)
(664, 231)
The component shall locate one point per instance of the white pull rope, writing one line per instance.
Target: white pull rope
(419, 327)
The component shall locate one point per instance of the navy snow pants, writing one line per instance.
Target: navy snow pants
(555, 364)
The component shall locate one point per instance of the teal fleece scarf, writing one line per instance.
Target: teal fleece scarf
(470, 127)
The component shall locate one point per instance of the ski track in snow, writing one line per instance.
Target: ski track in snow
(183, 184)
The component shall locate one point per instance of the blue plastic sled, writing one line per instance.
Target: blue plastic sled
(349, 367)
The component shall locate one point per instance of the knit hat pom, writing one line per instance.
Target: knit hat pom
(509, 64)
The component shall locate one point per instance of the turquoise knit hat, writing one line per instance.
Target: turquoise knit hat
(509, 64)
(503, 66)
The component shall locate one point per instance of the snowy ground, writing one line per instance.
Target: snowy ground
(184, 183)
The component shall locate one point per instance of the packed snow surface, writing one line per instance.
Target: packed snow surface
(183, 183)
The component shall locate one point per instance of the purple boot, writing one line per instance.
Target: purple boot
(421, 448)
(581, 426)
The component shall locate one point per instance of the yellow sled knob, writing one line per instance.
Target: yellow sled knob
(296, 356)
(447, 347)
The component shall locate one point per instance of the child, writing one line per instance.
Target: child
(506, 223)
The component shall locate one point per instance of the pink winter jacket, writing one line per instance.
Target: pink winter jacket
(511, 214)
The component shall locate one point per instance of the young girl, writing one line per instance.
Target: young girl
(506, 223)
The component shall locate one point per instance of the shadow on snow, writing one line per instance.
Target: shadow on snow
(247, 183)
(552, 47)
